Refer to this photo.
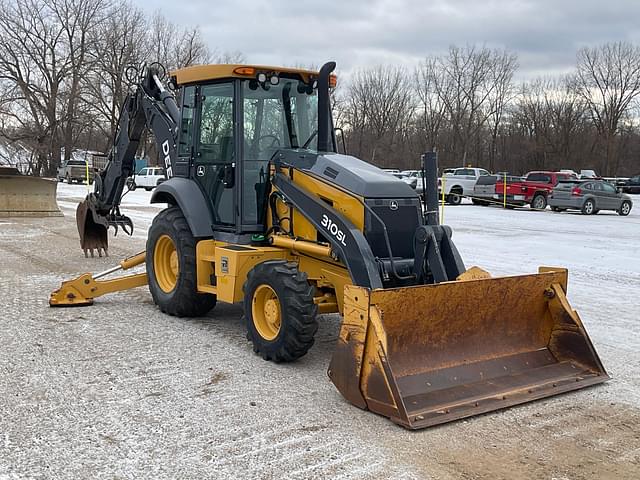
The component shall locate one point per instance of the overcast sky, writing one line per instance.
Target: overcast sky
(355, 33)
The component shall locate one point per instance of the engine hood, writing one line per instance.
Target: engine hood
(350, 173)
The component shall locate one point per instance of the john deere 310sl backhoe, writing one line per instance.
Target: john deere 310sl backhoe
(263, 211)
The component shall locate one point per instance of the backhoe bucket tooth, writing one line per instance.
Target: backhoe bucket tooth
(431, 354)
(92, 229)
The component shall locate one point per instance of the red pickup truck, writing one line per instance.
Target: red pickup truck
(533, 189)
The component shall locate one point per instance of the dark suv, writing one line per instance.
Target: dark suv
(632, 185)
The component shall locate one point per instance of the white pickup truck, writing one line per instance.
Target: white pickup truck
(459, 182)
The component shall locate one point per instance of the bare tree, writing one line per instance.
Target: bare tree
(431, 89)
(608, 79)
(175, 47)
(120, 44)
(380, 107)
(503, 67)
(79, 20)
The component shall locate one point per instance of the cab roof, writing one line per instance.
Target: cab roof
(203, 73)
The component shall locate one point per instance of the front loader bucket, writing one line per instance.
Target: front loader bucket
(26, 196)
(92, 230)
(431, 354)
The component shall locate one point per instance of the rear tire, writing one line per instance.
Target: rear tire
(539, 202)
(279, 311)
(625, 208)
(454, 198)
(172, 268)
(588, 207)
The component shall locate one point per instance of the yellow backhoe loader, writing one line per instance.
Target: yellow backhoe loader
(264, 211)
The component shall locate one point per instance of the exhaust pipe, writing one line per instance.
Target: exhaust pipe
(325, 135)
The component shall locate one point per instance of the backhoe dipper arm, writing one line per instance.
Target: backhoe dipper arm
(149, 107)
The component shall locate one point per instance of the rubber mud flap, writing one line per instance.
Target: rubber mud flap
(427, 355)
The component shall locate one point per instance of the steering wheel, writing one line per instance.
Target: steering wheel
(275, 141)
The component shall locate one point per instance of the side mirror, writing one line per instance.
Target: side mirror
(229, 177)
(344, 145)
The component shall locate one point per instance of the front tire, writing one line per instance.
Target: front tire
(171, 266)
(279, 311)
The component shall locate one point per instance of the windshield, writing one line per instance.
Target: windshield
(274, 117)
(279, 116)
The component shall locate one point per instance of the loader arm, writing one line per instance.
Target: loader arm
(150, 107)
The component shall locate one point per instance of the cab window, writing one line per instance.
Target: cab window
(539, 177)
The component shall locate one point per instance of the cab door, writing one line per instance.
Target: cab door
(215, 156)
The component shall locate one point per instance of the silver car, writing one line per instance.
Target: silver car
(589, 197)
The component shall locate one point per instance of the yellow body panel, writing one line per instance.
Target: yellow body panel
(203, 73)
(232, 263)
(346, 203)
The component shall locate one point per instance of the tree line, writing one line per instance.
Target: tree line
(64, 68)
(467, 105)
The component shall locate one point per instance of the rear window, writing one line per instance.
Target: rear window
(567, 185)
(465, 171)
(539, 177)
(76, 162)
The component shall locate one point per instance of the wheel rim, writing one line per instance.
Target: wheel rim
(625, 208)
(539, 203)
(266, 312)
(165, 263)
(588, 207)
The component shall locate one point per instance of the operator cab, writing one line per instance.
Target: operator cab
(234, 119)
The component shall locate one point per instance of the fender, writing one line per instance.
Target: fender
(349, 242)
(184, 193)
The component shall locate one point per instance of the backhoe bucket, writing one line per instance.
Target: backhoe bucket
(92, 229)
(26, 196)
(431, 354)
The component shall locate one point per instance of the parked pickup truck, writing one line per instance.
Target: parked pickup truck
(460, 182)
(74, 171)
(533, 189)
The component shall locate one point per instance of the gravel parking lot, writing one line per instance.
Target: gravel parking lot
(119, 390)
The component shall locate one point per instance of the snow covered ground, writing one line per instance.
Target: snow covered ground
(120, 390)
(602, 253)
